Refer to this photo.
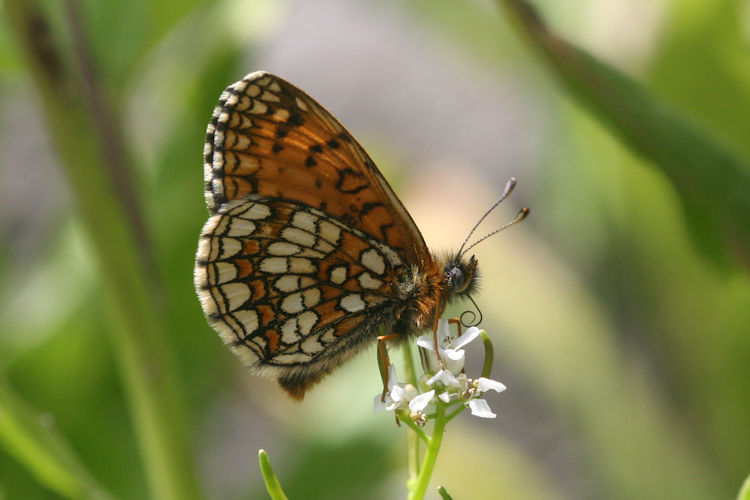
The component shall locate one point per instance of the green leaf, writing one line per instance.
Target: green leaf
(711, 180)
(272, 483)
(444, 493)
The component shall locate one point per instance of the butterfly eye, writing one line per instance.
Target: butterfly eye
(456, 278)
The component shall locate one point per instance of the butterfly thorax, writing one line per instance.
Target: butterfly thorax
(426, 289)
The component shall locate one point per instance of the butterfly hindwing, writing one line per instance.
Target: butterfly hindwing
(291, 289)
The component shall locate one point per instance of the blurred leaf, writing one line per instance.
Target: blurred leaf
(42, 450)
(712, 180)
(92, 150)
(745, 490)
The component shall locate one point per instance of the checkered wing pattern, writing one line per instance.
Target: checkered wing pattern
(292, 290)
(307, 250)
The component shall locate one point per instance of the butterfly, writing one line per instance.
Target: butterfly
(308, 253)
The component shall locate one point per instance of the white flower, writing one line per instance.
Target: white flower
(449, 384)
(449, 349)
(420, 402)
(398, 396)
(479, 407)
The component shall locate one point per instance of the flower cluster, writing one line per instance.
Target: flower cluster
(445, 383)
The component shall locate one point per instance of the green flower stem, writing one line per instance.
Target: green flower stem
(409, 372)
(455, 413)
(431, 454)
(403, 417)
(412, 439)
(272, 483)
(81, 125)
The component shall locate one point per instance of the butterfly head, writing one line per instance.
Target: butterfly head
(461, 275)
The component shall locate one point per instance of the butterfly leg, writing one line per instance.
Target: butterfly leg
(455, 321)
(384, 362)
(434, 336)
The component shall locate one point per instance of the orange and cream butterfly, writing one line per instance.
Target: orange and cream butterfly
(308, 253)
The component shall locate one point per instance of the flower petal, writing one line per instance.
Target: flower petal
(469, 335)
(446, 377)
(392, 377)
(377, 404)
(480, 408)
(420, 402)
(445, 397)
(426, 342)
(452, 354)
(486, 384)
(443, 331)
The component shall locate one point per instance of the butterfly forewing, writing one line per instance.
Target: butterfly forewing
(269, 138)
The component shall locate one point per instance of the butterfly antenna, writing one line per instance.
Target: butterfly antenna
(506, 192)
(518, 218)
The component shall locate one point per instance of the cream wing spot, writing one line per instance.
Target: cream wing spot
(236, 295)
(301, 265)
(306, 281)
(291, 359)
(248, 318)
(222, 223)
(298, 236)
(274, 86)
(328, 336)
(224, 272)
(373, 261)
(256, 211)
(283, 248)
(229, 248)
(274, 265)
(293, 303)
(240, 227)
(301, 104)
(259, 107)
(352, 303)
(311, 345)
(306, 322)
(324, 247)
(305, 220)
(290, 331)
(337, 274)
(366, 281)
(288, 283)
(271, 97)
(329, 232)
(281, 114)
(252, 90)
(311, 297)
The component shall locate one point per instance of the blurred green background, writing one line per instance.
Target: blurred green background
(620, 309)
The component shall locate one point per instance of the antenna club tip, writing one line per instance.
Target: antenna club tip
(525, 211)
